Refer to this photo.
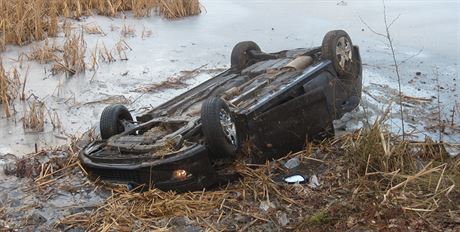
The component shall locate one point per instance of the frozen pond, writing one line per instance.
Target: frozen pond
(162, 48)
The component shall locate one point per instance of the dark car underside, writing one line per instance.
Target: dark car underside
(265, 106)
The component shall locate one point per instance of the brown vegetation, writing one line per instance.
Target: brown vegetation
(73, 57)
(93, 29)
(45, 53)
(371, 182)
(4, 95)
(23, 21)
(122, 46)
(34, 116)
(9, 88)
(105, 54)
(179, 8)
(177, 81)
(128, 31)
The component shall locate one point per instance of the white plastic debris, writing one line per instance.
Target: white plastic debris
(292, 163)
(314, 182)
(294, 179)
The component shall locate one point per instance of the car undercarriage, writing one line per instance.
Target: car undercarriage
(265, 106)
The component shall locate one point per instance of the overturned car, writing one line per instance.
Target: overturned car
(265, 106)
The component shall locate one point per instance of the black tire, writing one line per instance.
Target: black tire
(111, 117)
(218, 138)
(331, 41)
(240, 58)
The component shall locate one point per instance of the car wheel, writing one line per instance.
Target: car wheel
(338, 48)
(219, 128)
(240, 58)
(111, 120)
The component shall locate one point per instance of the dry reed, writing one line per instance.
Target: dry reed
(105, 54)
(93, 29)
(177, 81)
(121, 47)
(44, 54)
(125, 207)
(73, 57)
(128, 31)
(381, 173)
(23, 21)
(421, 173)
(55, 120)
(10, 85)
(34, 116)
(179, 8)
(4, 93)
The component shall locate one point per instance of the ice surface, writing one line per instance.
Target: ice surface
(427, 26)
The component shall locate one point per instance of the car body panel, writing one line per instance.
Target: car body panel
(276, 111)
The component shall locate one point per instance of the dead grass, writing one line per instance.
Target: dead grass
(147, 208)
(54, 119)
(10, 85)
(121, 47)
(34, 116)
(73, 57)
(143, 8)
(4, 90)
(93, 29)
(23, 21)
(177, 81)
(179, 8)
(170, 83)
(45, 53)
(371, 182)
(146, 33)
(127, 31)
(106, 54)
(417, 175)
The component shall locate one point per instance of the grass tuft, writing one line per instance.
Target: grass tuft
(357, 191)
(10, 85)
(44, 54)
(34, 116)
(73, 56)
(179, 8)
(24, 21)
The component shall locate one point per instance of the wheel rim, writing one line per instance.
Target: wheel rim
(228, 126)
(343, 52)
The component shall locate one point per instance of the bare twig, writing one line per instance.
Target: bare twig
(387, 35)
(438, 91)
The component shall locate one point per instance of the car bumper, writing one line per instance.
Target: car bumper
(158, 173)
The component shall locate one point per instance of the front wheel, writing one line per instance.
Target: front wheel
(219, 128)
(338, 48)
(112, 118)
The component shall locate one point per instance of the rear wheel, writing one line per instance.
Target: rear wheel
(338, 48)
(219, 128)
(112, 118)
(240, 58)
